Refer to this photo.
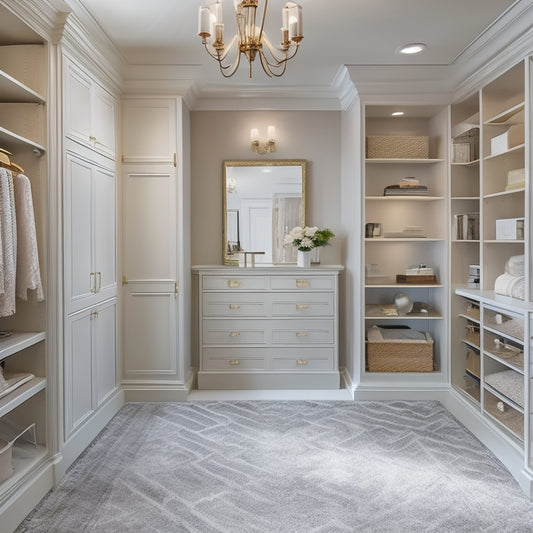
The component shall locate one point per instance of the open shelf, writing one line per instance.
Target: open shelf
(13, 91)
(504, 193)
(513, 150)
(13, 141)
(26, 456)
(505, 116)
(404, 161)
(403, 198)
(19, 341)
(21, 394)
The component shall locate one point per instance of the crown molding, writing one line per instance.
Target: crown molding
(84, 39)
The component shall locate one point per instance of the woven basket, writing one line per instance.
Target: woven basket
(391, 356)
(397, 147)
(472, 334)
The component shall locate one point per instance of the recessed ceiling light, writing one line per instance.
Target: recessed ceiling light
(412, 48)
(397, 114)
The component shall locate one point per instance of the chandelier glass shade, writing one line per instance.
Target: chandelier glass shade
(251, 39)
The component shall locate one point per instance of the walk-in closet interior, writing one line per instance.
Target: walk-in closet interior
(132, 271)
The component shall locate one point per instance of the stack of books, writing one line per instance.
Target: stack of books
(406, 187)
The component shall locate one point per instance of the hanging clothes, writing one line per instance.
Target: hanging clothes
(8, 230)
(28, 271)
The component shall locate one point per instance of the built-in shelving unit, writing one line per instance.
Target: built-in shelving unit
(23, 88)
(391, 253)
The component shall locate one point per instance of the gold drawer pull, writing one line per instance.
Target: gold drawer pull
(301, 306)
(301, 362)
(234, 362)
(234, 306)
(301, 334)
(301, 283)
(234, 334)
(233, 283)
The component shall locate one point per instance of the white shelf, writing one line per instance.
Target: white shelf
(473, 163)
(465, 197)
(404, 285)
(513, 362)
(404, 161)
(12, 141)
(20, 395)
(465, 240)
(513, 150)
(407, 198)
(505, 193)
(504, 117)
(13, 91)
(501, 241)
(26, 456)
(468, 317)
(402, 239)
(17, 342)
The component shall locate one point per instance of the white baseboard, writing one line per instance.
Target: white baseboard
(26, 497)
(155, 393)
(87, 432)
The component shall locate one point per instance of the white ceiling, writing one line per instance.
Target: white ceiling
(349, 32)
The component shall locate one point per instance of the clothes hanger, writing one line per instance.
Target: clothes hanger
(6, 162)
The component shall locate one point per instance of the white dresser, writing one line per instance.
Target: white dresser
(268, 327)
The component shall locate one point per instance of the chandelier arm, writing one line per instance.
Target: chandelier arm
(215, 54)
(267, 67)
(274, 51)
(263, 20)
(233, 67)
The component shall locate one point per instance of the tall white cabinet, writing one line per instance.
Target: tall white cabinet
(156, 263)
(90, 380)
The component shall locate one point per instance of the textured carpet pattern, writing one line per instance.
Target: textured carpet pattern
(285, 467)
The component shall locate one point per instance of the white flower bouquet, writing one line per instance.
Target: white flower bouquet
(305, 239)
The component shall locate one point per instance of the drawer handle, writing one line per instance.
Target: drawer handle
(234, 362)
(234, 306)
(301, 334)
(234, 334)
(301, 306)
(301, 362)
(301, 283)
(233, 283)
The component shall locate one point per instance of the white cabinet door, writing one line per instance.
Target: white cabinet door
(104, 342)
(78, 370)
(90, 233)
(149, 130)
(90, 111)
(79, 274)
(104, 232)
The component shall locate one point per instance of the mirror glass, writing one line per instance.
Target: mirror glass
(263, 201)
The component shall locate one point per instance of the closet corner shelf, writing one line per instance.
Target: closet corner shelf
(19, 341)
(402, 239)
(12, 141)
(468, 317)
(403, 285)
(515, 363)
(513, 150)
(505, 193)
(464, 198)
(21, 394)
(502, 241)
(13, 91)
(404, 198)
(403, 161)
(473, 163)
(465, 240)
(504, 117)
(471, 344)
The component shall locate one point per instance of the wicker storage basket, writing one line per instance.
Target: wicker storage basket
(400, 355)
(472, 334)
(397, 147)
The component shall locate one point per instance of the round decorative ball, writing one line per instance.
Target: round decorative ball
(403, 303)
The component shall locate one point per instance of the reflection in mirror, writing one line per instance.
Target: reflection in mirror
(263, 201)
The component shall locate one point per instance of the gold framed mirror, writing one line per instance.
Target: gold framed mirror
(263, 201)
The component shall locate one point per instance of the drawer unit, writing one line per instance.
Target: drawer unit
(303, 304)
(266, 327)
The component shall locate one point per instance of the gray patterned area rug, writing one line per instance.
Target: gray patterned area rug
(284, 467)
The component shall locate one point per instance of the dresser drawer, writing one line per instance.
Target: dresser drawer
(234, 283)
(303, 304)
(302, 331)
(232, 360)
(302, 283)
(304, 363)
(230, 332)
(225, 304)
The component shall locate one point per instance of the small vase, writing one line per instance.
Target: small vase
(303, 259)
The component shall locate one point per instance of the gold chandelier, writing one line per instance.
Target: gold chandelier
(250, 40)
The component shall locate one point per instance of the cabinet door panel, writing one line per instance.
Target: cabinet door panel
(150, 333)
(78, 253)
(78, 371)
(77, 105)
(149, 223)
(104, 231)
(103, 121)
(149, 130)
(104, 338)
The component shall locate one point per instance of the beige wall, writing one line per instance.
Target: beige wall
(219, 135)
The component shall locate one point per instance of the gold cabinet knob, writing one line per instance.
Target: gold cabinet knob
(301, 334)
(234, 306)
(302, 283)
(234, 334)
(301, 362)
(234, 362)
(234, 284)
(301, 306)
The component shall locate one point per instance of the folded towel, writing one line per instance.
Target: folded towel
(515, 265)
(508, 285)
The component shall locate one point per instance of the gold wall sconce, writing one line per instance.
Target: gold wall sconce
(263, 148)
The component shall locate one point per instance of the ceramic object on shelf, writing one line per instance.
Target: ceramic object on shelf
(303, 259)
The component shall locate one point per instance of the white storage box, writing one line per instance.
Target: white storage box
(514, 136)
(510, 229)
(516, 179)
